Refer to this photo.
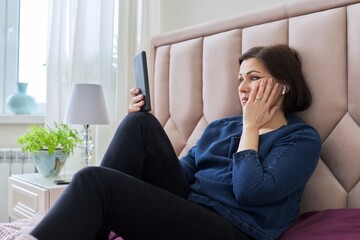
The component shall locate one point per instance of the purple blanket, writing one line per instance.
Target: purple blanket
(332, 224)
(329, 224)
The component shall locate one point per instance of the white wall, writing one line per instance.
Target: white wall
(176, 14)
(13, 126)
(9, 134)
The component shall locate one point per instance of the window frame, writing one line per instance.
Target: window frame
(9, 50)
(9, 53)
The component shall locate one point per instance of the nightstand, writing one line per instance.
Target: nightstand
(32, 193)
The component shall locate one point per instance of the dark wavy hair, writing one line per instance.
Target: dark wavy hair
(284, 64)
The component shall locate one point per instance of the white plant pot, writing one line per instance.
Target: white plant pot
(50, 165)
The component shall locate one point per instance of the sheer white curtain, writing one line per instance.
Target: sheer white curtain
(80, 50)
(82, 47)
(137, 22)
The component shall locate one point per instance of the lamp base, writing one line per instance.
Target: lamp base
(87, 145)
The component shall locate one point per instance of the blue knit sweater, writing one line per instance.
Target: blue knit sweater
(259, 192)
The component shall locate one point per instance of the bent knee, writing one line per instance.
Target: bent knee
(89, 173)
(141, 119)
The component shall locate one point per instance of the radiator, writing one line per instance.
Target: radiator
(12, 161)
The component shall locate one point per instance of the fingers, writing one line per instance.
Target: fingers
(260, 92)
(266, 87)
(134, 91)
(264, 101)
(137, 100)
(254, 94)
(136, 107)
(268, 91)
(275, 95)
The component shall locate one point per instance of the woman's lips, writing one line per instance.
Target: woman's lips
(244, 99)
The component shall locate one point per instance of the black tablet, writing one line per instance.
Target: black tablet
(142, 79)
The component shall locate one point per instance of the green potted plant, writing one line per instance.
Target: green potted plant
(50, 146)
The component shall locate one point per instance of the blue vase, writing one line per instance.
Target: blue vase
(20, 102)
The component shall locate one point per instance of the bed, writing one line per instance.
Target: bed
(193, 81)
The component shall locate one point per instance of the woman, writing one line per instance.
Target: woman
(242, 180)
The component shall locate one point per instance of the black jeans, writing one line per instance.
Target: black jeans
(139, 192)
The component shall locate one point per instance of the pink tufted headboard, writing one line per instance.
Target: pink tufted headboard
(193, 74)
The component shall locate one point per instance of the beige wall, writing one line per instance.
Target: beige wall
(176, 14)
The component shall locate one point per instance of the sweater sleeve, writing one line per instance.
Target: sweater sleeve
(286, 168)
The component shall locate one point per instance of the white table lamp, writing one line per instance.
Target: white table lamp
(86, 106)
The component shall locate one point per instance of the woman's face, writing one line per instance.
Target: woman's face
(252, 71)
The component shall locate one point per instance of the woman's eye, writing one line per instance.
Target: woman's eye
(241, 79)
(254, 78)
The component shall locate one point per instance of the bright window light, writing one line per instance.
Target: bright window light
(33, 47)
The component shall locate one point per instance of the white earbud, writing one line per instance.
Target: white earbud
(284, 89)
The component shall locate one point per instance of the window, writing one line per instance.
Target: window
(33, 47)
(8, 49)
(23, 45)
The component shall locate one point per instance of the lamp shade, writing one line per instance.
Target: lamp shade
(86, 105)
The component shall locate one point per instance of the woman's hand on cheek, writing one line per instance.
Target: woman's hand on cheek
(263, 102)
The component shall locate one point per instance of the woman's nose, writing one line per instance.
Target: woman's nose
(244, 87)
